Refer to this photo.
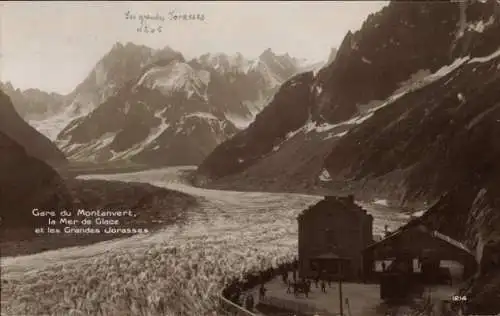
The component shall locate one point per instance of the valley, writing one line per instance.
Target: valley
(228, 234)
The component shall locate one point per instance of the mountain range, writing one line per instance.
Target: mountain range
(154, 107)
(33, 104)
(365, 95)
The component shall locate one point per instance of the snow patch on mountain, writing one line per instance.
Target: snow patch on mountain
(337, 135)
(204, 115)
(88, 151)
(270, 77)
(485, 59)
(416, 81)
(306, 66)
(82, 104)
(239, 121)
(226, 63)
(366, 61)
(382, 202)
(292, 134)
(176, 77)
(418, 214)
(325, 176)
(445, 70)
(126, 109)
(461, 97)
(258, 104)
(480, 26)
(100, 74)
(50, 127)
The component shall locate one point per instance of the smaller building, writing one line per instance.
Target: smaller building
(332, 236)
(416, 243)
(490, 257)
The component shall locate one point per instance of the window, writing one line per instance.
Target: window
(331, 239)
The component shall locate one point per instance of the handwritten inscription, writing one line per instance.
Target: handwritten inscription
(152, 23)
(176, 16)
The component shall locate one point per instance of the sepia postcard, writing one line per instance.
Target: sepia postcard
(250, 158)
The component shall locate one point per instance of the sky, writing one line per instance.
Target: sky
(53, 46)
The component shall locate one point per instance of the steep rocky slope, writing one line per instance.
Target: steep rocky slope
(148, 126)
(431, 138)
(390, 62)
(36, 145)
(259, 138)
(26, 183)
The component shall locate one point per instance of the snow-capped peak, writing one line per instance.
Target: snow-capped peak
(225, 63)
(175, 77)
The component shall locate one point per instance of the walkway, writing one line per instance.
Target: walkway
(364, 299)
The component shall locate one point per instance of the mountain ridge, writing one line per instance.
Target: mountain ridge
(218, 94)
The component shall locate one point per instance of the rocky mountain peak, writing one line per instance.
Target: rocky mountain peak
(332, 56)
(393, 44)
(268, 52)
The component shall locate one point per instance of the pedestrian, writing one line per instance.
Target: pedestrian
(249, 302)
(289, 288)
(383, 265)
(323, 286)
(262, 291)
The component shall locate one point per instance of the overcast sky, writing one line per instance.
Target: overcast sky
(54, 45)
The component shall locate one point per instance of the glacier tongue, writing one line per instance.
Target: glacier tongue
(52, 126)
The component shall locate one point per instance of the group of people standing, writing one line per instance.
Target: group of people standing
(239, 291)
(304, 285)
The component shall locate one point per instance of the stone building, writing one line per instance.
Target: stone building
(332, 235)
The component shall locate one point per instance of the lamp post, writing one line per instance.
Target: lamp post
(340, 288)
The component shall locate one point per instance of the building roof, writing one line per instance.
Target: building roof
(421, 228)
(329, 255)
(451, 241)
(343, 202)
